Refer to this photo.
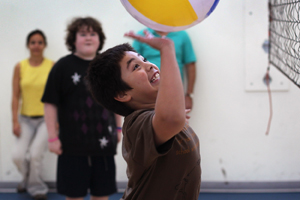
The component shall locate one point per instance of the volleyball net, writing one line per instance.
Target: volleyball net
(284, 37)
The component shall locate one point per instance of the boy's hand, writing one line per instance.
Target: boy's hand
(188, 102)
(187, 117)
(155, 42)
(55, 147)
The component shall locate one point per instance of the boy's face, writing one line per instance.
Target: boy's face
(87, 42)
(142, 76)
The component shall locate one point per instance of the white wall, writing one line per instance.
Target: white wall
(229, 120)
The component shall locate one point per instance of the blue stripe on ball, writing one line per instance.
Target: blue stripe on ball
(213, 7)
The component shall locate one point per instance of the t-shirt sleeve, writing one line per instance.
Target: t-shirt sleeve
(139, 139)
(188, 51)
(52, 88)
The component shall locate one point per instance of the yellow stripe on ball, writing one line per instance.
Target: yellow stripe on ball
(167, 12)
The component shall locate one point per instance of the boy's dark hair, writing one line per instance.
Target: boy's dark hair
(37, 31)
(77, 24)
(104, 79)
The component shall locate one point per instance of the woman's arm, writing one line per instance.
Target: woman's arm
(15, 100)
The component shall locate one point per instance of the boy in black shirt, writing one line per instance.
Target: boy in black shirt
(87, 138)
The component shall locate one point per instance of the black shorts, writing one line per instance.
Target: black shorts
(77, 174)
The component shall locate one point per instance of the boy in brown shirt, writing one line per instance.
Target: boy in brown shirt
(161, 150)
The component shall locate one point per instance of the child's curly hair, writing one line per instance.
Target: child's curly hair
(77, 24)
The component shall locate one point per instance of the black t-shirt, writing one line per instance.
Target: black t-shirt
(85, 127)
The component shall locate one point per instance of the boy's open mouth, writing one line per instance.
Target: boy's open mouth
(154, 77)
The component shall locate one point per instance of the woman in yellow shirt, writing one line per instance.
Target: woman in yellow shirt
(29, 79)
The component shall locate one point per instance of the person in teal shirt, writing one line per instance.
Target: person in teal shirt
(185, 57)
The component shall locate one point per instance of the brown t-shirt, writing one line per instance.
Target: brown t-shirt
(168, 172)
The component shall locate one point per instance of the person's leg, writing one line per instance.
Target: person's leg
(103, 177)
(99, 198)
(70, 198)
(38, 147)
(20, 151)
(73, 176)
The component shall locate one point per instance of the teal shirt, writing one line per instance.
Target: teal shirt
(183, 48)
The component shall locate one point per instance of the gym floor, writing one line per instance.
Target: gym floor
(202, 196)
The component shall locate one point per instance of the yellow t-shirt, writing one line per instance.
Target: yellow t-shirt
(32, 82)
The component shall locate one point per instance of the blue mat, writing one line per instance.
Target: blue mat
(202, 196)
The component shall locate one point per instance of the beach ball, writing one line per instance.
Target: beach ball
(170, 15)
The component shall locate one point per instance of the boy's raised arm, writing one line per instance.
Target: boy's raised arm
(169, 118)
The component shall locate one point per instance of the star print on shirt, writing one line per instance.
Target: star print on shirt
(103, 142)
(76, 78)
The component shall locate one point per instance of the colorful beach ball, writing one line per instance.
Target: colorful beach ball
(170, 15)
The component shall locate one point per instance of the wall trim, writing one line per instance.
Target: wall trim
(213, 187)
